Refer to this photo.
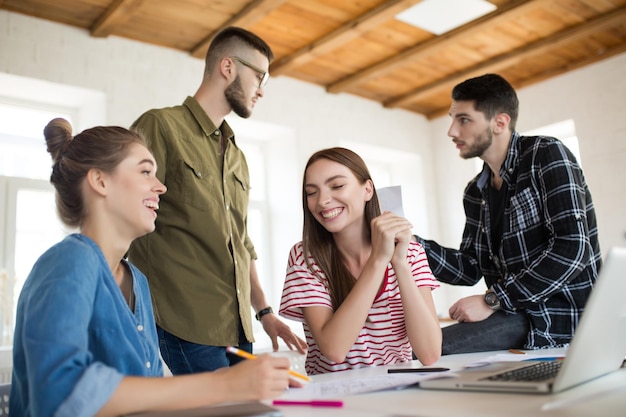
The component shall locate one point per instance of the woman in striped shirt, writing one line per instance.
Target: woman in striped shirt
(359, 284)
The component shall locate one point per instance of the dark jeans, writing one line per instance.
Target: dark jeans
(183, 357)
(497, 332)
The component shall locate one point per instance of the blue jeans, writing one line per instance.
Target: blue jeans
(497, 332)
(183, 357)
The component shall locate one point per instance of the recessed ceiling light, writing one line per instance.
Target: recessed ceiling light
(441, 16)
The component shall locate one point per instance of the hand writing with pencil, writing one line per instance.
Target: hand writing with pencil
(265, 377)
(296, 376)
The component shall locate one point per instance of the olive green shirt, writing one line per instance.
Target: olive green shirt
(198, 258)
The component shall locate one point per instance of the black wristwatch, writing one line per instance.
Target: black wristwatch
(491, 299)
(261, 313)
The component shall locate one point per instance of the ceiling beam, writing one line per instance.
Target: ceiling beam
(619, 49)
(252, 13)
(116, 14)
(515, 57)
(503, 13)
(343, 34)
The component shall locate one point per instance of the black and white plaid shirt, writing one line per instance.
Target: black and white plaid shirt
(549, 256)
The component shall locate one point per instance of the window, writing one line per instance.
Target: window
(22, 146)
(389, 167)
(28, 221)
(274, 211)
(565, 131)
(257, 207)
(31, 227)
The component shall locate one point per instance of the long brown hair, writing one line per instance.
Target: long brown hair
(318, 243)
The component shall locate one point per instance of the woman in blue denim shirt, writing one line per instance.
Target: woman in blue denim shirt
(85, 337)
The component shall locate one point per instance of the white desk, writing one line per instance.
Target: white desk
(603, 397)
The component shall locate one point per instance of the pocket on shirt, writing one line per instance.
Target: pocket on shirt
(241, 191)
(525, 210)
(198, 189)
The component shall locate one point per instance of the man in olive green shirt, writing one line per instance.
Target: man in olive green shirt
(200, 260)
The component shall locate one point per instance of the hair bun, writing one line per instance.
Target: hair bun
(58, 135)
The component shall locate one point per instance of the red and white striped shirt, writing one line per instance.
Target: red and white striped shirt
(382, 340)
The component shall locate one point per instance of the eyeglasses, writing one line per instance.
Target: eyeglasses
(265, 76)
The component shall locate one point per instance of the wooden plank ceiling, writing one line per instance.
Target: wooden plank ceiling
(359, 47)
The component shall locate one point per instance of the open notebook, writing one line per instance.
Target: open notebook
(597, 348)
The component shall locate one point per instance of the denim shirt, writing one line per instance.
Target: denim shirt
(75, 337)
(549, 254)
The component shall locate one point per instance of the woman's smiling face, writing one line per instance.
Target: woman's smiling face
(135, 191)
(334, 196)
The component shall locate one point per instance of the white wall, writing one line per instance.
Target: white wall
(135, 76)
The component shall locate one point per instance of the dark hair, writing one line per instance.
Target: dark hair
(102, 147)
(229, 40)
(318, 243)
(491, 94)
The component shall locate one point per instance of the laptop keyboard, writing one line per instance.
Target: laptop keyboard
(540, 371)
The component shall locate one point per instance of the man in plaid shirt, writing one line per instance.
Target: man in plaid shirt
(530, 230)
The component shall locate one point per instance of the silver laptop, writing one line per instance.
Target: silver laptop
(597, 348)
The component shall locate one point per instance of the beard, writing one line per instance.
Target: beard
(235, 98)
(480, 145)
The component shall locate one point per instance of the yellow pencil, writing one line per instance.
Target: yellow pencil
(247, 355)
(517, 352)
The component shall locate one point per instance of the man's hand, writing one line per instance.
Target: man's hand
(275, 328)
(470, 309)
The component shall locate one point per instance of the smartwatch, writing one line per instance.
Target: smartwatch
(491, 299)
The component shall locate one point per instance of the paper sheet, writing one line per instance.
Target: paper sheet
(340, 388)
(390, 199)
